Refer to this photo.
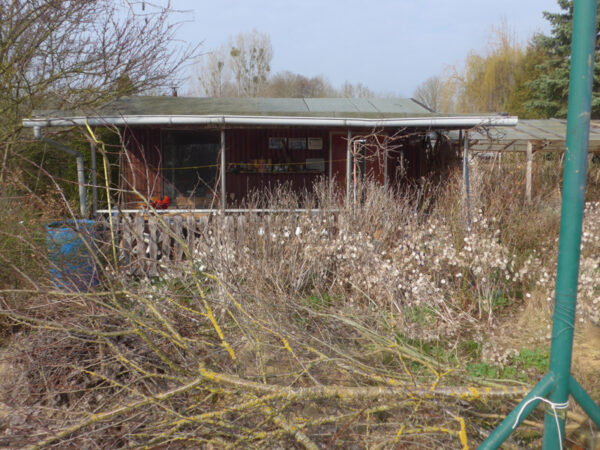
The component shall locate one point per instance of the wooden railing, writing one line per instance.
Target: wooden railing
(147, 243)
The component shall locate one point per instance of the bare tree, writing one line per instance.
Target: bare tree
(357, 90)
(240, 68)
(251, 54)
(212, 75)
(288, 84)
(488, 79)
(485, 83)
(78, 53)
(430, 93)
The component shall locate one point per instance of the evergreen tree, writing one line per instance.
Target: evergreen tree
(550, 89)
(522, 91)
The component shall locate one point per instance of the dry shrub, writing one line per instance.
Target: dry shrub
(343, 326)
(392, 252)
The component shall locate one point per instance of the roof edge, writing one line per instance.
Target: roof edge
(171, 120)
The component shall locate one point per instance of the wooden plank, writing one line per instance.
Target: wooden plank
(202, 228)
(165, 241)
(202, 224)
(266, 220)
(529, 172)
(103, 236)
(152, 265)
(466, 182)
(348, 166)
(190, 226)
(217, 225)
(139, 250)
(177, 228)
(223, 172)
(125, 230)
(241, 229)
(111, 237)
(229, 227)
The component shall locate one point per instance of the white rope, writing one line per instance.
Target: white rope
(554, 407)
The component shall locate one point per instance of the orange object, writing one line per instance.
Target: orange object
(161, 204)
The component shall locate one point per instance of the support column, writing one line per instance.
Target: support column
(330, 165)
(385, 168)
(466, 183)
(223, 173)
(402, 165)
(348, 164)
(94, 180)
(529, 173)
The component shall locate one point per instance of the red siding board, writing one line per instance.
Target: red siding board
(245, 145)
(339, 143)
(141, 166)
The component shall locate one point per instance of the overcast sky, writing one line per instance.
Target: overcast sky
(389, 45)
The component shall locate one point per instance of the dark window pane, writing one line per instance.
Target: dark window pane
(190, 164)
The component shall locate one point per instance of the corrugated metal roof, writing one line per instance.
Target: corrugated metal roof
(547, 134)
(363, 104)
(308, 107)
(328, 112)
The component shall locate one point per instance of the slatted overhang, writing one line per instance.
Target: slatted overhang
(543, 134)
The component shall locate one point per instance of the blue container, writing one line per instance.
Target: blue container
(72, 263)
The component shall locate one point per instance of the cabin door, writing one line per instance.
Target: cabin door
(339, 143)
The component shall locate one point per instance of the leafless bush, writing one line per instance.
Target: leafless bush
(336, 327)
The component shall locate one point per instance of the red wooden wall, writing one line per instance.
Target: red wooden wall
(141, 163)
(242, 146)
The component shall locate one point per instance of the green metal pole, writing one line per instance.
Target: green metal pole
(578, 127)
(518, 414)
(584, 400)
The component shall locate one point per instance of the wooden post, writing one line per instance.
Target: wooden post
(94, 181)
(223, 173)
(330, 165)
(529, 172)
(123, 228)
(140, 246)
(190, 227)
(348, 164)
(152, 267)
(177, 229)
(354, 177)
(402, 165)
(385, 168)
(165, 242)
(466, 176)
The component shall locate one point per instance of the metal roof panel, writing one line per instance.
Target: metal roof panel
(331, 105)
(398, 105)
(276, 106)
(363, 105)
(538, 129)
(310, 107)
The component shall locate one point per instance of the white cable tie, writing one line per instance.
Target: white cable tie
(554, 407)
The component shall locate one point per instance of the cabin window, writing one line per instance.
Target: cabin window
(190, 167)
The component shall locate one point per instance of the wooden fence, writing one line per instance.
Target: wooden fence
(148, 243)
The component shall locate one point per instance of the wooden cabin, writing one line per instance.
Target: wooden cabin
(212, 153)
